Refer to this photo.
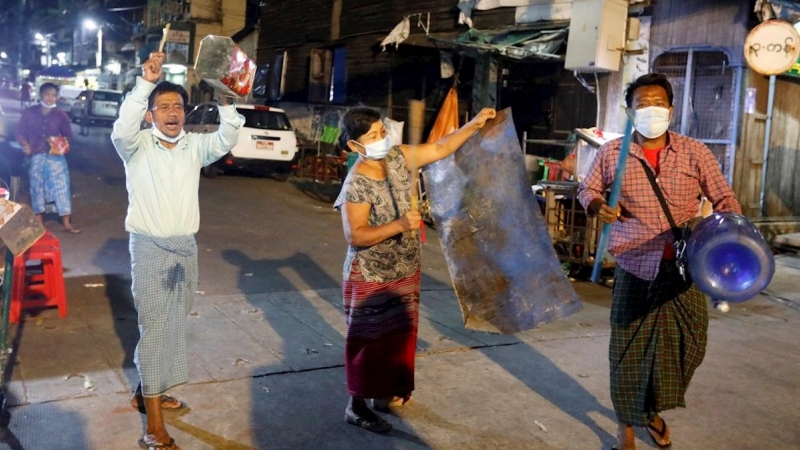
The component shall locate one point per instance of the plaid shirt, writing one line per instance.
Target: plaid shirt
(687, 170)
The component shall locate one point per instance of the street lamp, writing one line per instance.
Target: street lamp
(91, 25)
(3, 55)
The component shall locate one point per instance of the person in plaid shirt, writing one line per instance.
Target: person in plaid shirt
(658, 332)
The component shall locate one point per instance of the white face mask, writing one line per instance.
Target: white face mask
(157, 133)
(378, 150)
(45, 105)
(651, 122)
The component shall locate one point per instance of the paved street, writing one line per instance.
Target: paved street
(266, 340)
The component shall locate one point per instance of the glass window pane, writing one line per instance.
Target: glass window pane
(264, 120)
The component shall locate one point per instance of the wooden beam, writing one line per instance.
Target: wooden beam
(336, 19)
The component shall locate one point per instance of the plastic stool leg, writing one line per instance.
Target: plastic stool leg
(17, 289)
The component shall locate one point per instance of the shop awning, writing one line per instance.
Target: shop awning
(543, 41)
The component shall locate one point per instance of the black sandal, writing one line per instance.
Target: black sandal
(165, 399)
(661, 433)
(375, 423)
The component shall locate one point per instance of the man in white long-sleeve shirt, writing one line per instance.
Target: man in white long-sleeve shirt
(162, 166)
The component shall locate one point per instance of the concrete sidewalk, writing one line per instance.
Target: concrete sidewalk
(785, 285)
(266, 373)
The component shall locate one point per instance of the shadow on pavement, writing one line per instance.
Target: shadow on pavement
(68, 425)
(313, 406)
(542, 376)
(120, 299)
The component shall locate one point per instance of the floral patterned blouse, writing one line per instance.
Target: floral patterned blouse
(398, 256)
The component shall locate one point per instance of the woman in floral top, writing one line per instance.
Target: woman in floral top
(382, 269)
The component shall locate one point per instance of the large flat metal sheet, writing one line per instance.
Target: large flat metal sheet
(505, 271)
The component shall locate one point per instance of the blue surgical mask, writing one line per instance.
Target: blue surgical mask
(378, 150)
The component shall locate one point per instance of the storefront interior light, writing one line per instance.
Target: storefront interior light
(175, 68)
(114, 67)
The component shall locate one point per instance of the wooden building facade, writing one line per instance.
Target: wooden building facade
(318, 57)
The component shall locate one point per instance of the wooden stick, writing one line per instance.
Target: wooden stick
(163, 39)
(414, 189)
(416, 119)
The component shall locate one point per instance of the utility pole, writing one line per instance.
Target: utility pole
(22, 31)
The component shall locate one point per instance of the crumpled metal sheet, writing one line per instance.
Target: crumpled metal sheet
(505, 271)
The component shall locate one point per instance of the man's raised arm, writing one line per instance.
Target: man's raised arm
(125, 135)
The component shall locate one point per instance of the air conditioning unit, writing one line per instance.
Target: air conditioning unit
(597, 35)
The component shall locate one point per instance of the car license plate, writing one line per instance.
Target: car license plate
(264, 145)
(106, 109)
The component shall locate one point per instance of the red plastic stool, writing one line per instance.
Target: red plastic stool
(49, 239)
(41, 284)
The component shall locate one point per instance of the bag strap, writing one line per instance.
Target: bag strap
(676, 231)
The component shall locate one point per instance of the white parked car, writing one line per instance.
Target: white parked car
(266, 141)
(101, 105)
(67, 96)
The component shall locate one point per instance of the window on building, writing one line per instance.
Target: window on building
(260, 81)
(277, 77)
(338, 76)
(705, 102)
(319, 75)
(327, 77)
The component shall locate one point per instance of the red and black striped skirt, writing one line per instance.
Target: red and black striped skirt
(381, 342)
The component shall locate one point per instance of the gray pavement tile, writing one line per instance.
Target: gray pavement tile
(224, 348)
(49, 351)
(295, 344)
(542, 394)
(198, 371)
(441, 308)
(59, 388)
(785, 285)
(314, 309)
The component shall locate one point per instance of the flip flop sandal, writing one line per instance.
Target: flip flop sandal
(73, 230)
(165, 400)
(378, 425)
(660, 433)
(154, 445)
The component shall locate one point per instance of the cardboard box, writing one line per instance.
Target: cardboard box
(19, 227)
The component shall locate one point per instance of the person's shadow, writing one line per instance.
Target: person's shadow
(537, 372)
(113, 259)
(312, 299)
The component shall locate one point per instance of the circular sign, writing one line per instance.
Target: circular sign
(772, 47)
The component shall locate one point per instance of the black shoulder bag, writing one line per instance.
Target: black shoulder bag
(681, 234)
